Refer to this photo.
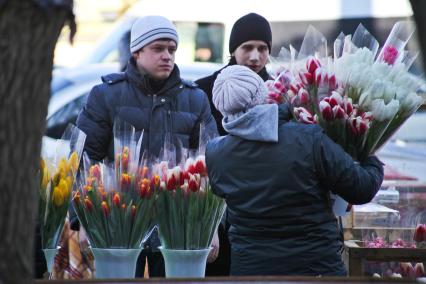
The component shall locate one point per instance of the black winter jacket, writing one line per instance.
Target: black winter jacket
(177, 108)
(278, 199)
(206, 84)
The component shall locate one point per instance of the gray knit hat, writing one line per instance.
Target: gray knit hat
(237, 89)
(147, 29)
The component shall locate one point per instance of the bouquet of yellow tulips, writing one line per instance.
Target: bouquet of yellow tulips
(56, 180)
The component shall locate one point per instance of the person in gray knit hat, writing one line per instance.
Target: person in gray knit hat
(240, 95)
(151, 96)
(276, 176)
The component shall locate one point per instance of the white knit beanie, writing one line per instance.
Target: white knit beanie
(147, 29)
(237, 89)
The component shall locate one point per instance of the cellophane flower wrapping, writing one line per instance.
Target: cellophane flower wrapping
(187, 211)
(360, 96)
(56, 180)
(114, 201)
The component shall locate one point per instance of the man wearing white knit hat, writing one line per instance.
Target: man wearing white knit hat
(151, 96)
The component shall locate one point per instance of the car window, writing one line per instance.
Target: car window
(57, 122)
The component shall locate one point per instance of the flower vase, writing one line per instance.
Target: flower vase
(115, 263)
(185, 263)
(50, 254)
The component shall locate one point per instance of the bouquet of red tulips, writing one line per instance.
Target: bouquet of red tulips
(187, 211)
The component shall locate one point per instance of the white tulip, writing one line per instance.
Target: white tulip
(411, 102)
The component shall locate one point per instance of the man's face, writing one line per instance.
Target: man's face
(253, 54)
(157, 58)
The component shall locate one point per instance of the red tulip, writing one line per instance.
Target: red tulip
(200, 166)
(193, 184)
(171, 183)
(133, 211)
(420, 233)
(89, 204)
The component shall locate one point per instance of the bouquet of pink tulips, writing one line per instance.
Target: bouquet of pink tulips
(358, 97)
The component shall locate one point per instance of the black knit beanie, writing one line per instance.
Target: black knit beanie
(250, 27)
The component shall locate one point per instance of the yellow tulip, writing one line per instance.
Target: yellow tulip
(73, 162)
(64, 188)
(57, 196)
(63, 167)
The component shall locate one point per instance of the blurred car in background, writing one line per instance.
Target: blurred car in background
(405, 153)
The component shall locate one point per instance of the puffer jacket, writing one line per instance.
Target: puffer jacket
(278, 198)
(206, 84)
(177, 108)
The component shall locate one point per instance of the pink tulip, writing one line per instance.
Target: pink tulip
(321, 77)
(336, 99)
(390, 54)
(303, 115)
(326, 111)
(347, 105)
(339, 112)
(312, 64)
(306, 78)
(419, 270)
(275, 98)
(294, 88)
(332, 82)
(303, 96)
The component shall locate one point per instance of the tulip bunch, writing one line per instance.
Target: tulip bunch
(114, 202)
(359, 99)
(56, 180)
(115, 210)
(54, 193)
(187, 211)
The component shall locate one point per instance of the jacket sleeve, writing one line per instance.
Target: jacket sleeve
(94, 120)
(206, 118)
(355, 182)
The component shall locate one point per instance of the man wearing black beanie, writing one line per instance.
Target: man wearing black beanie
(249, 45)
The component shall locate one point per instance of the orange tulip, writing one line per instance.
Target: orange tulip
(116, 200)
(105, 208)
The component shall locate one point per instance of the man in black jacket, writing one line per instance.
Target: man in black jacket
(151, 96)
(249, 45)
